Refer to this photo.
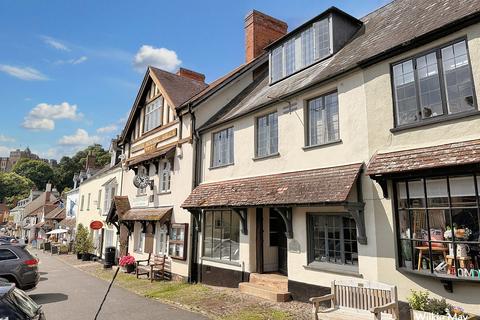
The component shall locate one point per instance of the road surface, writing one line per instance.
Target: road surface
(69, 293)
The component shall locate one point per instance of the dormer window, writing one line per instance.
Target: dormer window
(301, 50)
(312, 42)
(153, 114)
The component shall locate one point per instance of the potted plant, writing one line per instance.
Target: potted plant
(80, 239)
(88, 248)
(128, 262)
(425, 308)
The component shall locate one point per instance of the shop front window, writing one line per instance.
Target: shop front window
(438, 226)
(222, 235)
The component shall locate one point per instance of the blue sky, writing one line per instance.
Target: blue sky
(70, 70)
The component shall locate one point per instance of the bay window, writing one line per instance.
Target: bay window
(438, 225)
(222, 149)
(221, 235)
(438, 83)
(153, 114)
(267, 135)
(322, 119)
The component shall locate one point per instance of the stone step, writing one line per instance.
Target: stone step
(261, 291)
(271, 280)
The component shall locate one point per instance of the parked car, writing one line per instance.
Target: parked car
(16, 304)
(8, 239)
(18, 266)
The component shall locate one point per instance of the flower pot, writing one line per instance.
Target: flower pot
(129, 268)
(422, 315)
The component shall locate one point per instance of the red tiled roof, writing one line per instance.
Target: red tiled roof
(452, 154)
(326, 185)
(56, 214)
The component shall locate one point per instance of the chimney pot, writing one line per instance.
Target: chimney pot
(260, 31)
(190, 74)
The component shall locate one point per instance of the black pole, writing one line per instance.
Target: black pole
(106, 294)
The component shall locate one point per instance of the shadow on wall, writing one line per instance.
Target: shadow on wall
(45, 298)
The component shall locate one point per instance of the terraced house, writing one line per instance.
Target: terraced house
(158, 166)
(348, 148)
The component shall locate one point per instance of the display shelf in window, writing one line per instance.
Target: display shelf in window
(177, 245)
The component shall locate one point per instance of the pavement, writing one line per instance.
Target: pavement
(65, 292)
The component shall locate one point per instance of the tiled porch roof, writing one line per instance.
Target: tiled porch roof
(446, 155)
(148, 214)
(326, 185)
(148, 156)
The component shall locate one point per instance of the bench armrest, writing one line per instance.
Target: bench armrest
(140, 261)
(322, 298)
(385, 307)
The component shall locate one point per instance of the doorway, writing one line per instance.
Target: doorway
(271, 242)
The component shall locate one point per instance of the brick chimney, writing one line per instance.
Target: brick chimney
(260, 31)
(90, 161)
(190, 74)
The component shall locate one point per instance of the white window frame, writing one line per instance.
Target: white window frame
(161, 240)
(139, 243)
(153, 115)
(165, 175)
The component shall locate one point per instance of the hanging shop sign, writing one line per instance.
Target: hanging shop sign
(96, 225)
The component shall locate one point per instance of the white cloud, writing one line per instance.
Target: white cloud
(82, 59)
(4, 138)
(24, 73)
(54, 43)
(4, 151)
(80, 138)
(158, 57)
(108, 129)
(43, 116)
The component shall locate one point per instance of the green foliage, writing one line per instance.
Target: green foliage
(81, 239)
(420, 300)
(68, 166)
(14, 187)
(36, 170)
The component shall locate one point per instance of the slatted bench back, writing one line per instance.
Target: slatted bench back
(362, 295)
(158, 260)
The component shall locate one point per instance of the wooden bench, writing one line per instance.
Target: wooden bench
(151, 266)
(352, 299)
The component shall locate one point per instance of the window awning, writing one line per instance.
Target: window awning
(166, 152)
(161, 215)
(446, 155)
(310, 187)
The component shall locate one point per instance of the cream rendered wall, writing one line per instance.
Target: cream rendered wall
(291, 133)
(207, 109)
(180, 187)
(380, 117)
(92, 186)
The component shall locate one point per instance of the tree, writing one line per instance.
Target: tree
(14, 187)
(68, 167)
(36, 170)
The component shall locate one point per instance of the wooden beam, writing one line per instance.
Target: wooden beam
(286, 214)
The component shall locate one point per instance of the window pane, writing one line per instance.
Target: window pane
(322, 38)
(226, 238)
(404, 224)
(331, 108)
(416, 194)
(277, 64)
(290, 57)
(267, 135)
(466, 223)
(235, 237)
(273, 131)
(217, 234)
(405, 93)
(307, 47)
(457, 78)
(323, 119)
(207, 234)
(437, 193)
(429, 86)
(223, 147)
(402, 195)
(462, 191)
